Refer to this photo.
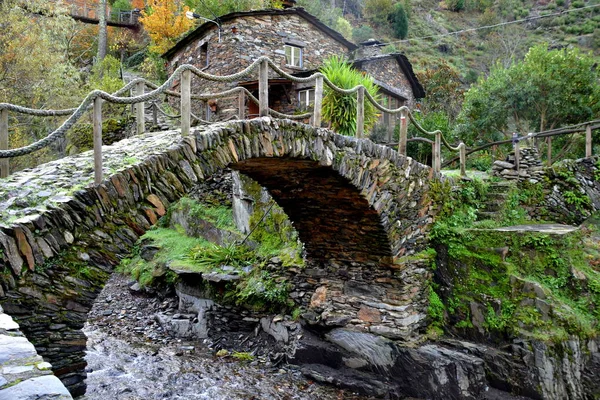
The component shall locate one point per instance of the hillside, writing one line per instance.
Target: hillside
(472, 52)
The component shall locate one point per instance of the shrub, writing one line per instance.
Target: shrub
(340, 109)
(399, 20)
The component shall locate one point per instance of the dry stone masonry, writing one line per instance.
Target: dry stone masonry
(61, 237)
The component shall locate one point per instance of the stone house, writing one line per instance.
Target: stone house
(298, 43)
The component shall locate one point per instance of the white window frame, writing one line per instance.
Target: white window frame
(294, 59)
(306, 98)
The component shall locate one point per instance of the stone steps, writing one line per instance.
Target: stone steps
(496, 198)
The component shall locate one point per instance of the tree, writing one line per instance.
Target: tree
(340, 110)
(378, 11)
(399, 20)
(443, 89)
(102, 31)
(165, 22)
(548, 89)
(343, 26)
(35, 70)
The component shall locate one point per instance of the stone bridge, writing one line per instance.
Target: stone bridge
(359, 208)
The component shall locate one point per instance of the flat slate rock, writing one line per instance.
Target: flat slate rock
(553, 229)
(40, 388)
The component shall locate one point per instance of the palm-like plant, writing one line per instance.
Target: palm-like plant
(339, 109)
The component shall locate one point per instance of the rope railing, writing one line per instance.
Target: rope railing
(138, 96)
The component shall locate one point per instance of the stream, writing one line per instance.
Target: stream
(129, 358)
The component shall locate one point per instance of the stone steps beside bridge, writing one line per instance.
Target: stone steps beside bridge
(24, 375)
(495, 200)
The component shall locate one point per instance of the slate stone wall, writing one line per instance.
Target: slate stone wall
(358, 207)
(388, 70)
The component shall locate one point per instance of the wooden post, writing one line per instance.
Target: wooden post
(437, 154)
(317, 116)
(588, 141)
(517, 155)
(154, 114)
(549, 151)
(403, 132)
(263, 89)
(186, 102)
(360, 112)
(97, 124)
(463, 159)
(139, 109)
(3, 142)
(242, 104)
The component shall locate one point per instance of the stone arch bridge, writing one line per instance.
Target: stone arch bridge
(358, 207)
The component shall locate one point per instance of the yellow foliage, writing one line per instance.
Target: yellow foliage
(165, 22)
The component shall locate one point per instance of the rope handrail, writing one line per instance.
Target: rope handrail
(185, 71)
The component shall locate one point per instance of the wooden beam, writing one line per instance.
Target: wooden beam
(186, 102)
(263, 89)
(317, 116)
(97, 124)
(4, 166)
(403, 132)
(139, 109)
(360, 112)
(588, 141)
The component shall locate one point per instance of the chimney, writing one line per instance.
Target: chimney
(288, 3)
(369, 48)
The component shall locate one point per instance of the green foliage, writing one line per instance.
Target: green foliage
(436, 310)
(106, 75)
(399, 20)
(260, 291)
(343, 26)
(455, 5)
(340, 110)
(211, 256)
(378, 11)
(362, 33)
(550, 88)
(242, 356)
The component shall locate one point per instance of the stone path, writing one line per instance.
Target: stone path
(23, 373)
(551, 229)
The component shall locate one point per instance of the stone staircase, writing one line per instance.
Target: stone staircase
(496, 197)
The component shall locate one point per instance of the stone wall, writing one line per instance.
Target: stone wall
(357, 206)
(256, 36)
(386, 69)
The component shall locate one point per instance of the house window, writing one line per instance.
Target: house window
(293, 55)
(306, 98)
(204, 55)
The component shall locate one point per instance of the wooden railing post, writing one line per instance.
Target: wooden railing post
(139, 109)
(3, 142)
(588, 141)
(463, 159)
(549, 151)
(97, 126)
(318, 102)
(154, 114)
(186, 102)
(242, 104)
(263, 89)
(437, 152)
(403, 132)
(517, 155)
(360, 112)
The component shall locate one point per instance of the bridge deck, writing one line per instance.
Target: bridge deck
(26, 194)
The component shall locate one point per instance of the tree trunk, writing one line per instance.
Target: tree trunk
(102, 31)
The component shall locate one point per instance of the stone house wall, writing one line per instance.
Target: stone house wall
(388, 71)
(236, 51)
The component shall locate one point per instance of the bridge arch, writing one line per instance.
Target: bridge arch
(354, 204)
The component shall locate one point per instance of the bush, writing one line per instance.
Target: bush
(339, 109)
(362, 33)
(399, 20)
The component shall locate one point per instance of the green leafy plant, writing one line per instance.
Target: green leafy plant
(339, 109)
(213, 256)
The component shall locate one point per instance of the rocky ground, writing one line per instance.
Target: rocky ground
(131, 357)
